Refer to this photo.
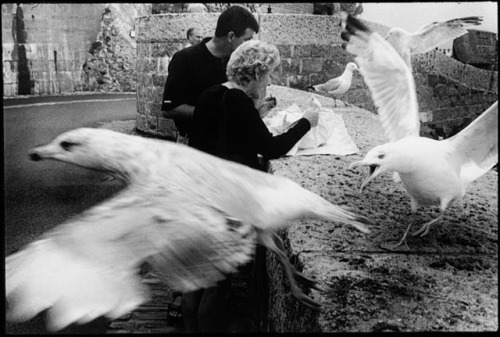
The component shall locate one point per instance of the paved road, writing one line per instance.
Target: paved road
(40, 195)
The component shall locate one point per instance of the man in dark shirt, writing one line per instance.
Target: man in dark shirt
(194, 69)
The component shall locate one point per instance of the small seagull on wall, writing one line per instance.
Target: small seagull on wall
(337, 86)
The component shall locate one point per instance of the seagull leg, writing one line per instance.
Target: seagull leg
(401, 242)
(269, 243)
(299, 277)
(414, 207)
(425, 227)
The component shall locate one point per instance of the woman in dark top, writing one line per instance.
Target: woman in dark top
(228, 117)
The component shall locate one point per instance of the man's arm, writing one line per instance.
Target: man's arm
(183, 111)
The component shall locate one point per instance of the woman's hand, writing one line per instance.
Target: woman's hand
(268, 103)
(312, 115)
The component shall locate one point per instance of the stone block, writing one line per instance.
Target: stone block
(291, 66)
(151, 122)
(173, 27)
(159, 80)
(302, 51)
(298, 81)
(312, 65)
(446, 66)
(140, 107)
(423, 63)
(439, 90)
(432, 79)
(159, 49)
(284, 50)
(297, 29)
(156, 110)
(158, 94)
(332, 68)
(494, 82)
(143, 49)
(162, 65)
(140, 122)
(440, 114)
(166, 128)
(323, 51)
(358, 82)
(476, 78)
(9, 89)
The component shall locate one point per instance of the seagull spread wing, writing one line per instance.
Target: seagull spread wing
(433, 34)
(88, 267)
(476, 146)
(389, 79)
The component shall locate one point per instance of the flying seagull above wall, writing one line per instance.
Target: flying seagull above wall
(192, 216)
(431, 171)
(429, 36)
(339, 85)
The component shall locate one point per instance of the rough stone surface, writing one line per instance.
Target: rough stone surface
(448, 282)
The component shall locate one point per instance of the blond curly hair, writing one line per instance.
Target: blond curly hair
(251, 60)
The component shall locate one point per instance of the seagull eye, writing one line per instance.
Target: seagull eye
(67, 145)
(381, 156)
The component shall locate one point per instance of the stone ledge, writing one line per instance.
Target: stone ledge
(449, 281)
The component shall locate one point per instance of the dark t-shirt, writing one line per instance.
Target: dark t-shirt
(235, 131)
(191, 71)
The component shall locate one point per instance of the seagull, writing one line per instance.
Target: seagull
(429, 36)
(431, 171)
(339, 85)
(192, 216)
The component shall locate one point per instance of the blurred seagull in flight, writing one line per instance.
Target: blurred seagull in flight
(339, 85)
(192, 216)
(429, 36)
(431, 171)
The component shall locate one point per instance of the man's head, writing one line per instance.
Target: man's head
(194, 35)
(236, 24)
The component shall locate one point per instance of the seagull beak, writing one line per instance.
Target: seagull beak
(375, 170)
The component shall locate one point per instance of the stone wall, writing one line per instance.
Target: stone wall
(450, 93)
(61, 48)
(48, 44)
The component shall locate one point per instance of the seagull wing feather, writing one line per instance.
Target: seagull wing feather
(476, 146)
(390, 82)
(433, 34)
(88, 267)
(330, 85)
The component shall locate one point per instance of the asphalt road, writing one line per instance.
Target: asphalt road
(41, 195)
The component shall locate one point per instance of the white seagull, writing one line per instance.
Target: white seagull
(429, 36)
(339, 85)
(192, 216)
(431, 171)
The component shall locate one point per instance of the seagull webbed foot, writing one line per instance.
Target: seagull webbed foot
(425, 227)
(304, 299)
(306, 281)
(399, 246)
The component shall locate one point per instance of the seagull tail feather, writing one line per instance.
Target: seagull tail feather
(330, 212)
